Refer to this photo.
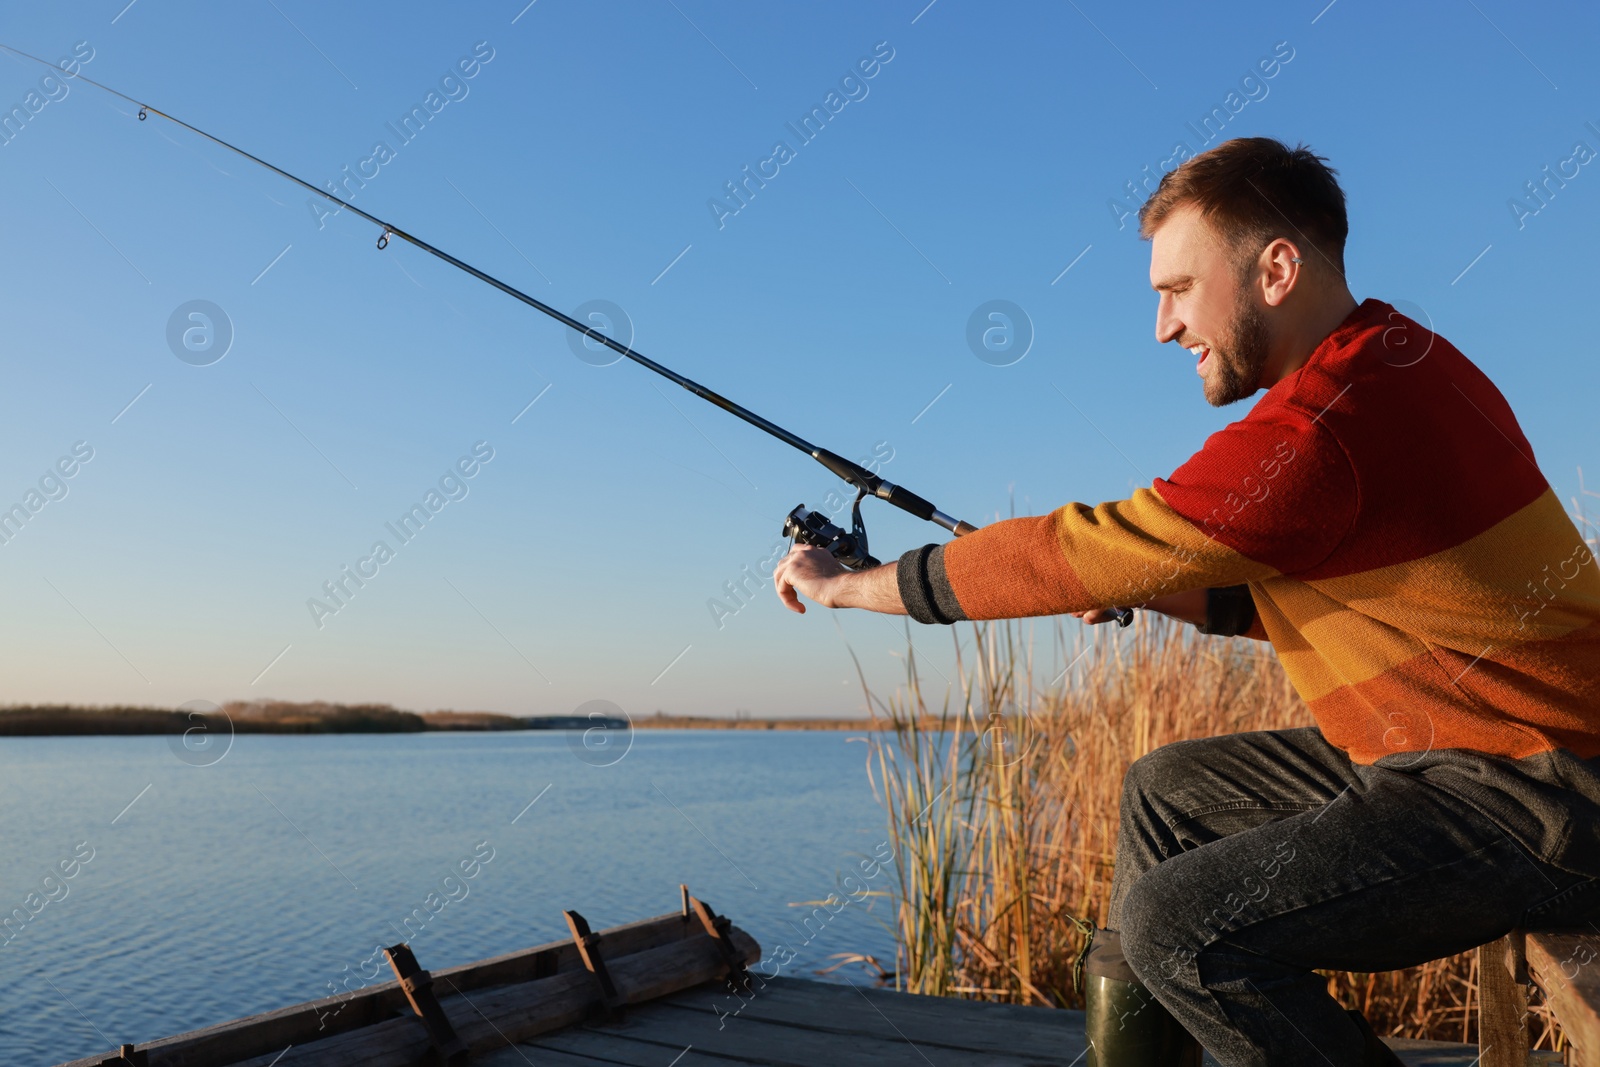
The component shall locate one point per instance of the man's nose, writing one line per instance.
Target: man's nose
(1168, 325)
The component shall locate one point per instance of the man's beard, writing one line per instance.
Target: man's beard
(1241, 356)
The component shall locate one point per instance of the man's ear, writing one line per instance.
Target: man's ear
(1279, 266)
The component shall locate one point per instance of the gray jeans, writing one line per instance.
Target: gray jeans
(1246, 861)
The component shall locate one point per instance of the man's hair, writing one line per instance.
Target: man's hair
(1254, 190)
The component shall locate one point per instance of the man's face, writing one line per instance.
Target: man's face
(1207, 307)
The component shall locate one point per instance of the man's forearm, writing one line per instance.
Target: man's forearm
(819, 576)
(879, 590)
(876, 590)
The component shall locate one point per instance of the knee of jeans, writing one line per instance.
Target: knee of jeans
(1155, 772)
(1155, 939)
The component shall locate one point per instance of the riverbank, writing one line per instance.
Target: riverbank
(286, 717)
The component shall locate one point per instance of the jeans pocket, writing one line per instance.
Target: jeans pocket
(1576, 906)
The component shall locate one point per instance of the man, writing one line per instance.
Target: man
(1379, 518)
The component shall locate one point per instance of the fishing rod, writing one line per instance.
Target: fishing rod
(801, 524)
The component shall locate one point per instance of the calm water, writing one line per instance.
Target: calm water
(258, 881)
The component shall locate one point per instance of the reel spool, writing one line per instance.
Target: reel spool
(813, 528)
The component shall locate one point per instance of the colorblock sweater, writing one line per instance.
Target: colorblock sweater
(1419, 579)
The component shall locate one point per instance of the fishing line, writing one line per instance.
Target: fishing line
(803, 525)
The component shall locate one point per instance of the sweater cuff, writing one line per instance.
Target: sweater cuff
(924, 589)
(1230, 611)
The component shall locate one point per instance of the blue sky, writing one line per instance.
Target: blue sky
(579, 161)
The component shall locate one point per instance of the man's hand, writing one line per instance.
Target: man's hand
(1096, 616)
(1187, 606)
(814, 572)
(810, 570)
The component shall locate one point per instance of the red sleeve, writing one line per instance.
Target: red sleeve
(1261, 498)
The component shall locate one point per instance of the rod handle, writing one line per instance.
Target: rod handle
(905, 500)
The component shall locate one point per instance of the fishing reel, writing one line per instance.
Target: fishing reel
(813, 528)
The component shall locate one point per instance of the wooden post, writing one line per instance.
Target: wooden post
(1503, 1002)
(417, 984)
(1567, 968)
(718, 927)
(588, 943)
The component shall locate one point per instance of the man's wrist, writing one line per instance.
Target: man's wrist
(845, 590)
(876, 589)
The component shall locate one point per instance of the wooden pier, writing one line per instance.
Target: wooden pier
(679, 990)
(798, 1023)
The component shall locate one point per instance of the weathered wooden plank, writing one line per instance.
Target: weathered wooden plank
(1503, 1002)
(601, 1046)
(489, 1020)
(1568, 970)
(527, 964)
(666, 1031)
(797, 1049)
(941, 1022)
(1453, 1054)
(641, 977)
(957, 1025)
(529, 1056)
(316, 1020)
(642, 1045)
(783, 990)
